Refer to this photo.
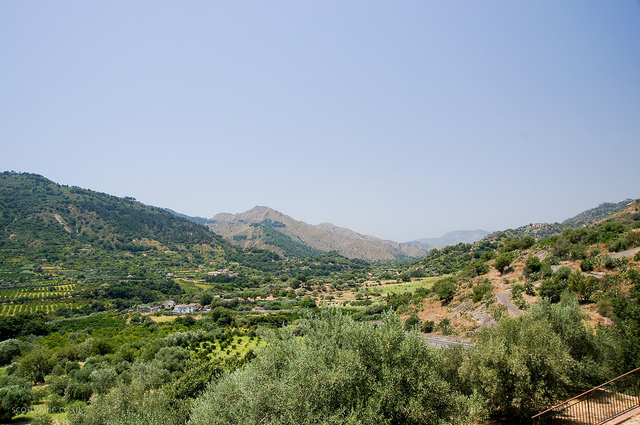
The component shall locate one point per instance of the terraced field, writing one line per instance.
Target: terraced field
(33, 298)
(36, 292)
(11, 309)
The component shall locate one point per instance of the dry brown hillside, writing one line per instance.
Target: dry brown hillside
(263, 227)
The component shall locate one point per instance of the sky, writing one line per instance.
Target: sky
(401, 120)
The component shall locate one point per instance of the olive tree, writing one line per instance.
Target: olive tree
(519, 366)
(340, 372)
(503, 261)
(15, 396)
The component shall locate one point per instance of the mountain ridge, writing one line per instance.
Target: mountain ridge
(452, 238)
(253, 228)
(604, 211)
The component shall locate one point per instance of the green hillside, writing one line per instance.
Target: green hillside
(70, 247)
(589, 217)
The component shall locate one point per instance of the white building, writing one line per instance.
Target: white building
(187, 308)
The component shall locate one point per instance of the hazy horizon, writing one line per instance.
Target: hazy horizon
(397, 120)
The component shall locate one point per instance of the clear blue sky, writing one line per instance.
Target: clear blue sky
(402, 120)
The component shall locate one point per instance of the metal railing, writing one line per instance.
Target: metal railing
(597, 405)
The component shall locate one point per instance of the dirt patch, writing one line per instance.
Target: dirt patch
(594, 317)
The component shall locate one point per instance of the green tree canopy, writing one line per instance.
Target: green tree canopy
(503, 261)
(339, 372)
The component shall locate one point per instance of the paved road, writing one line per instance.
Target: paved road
(503, 298)
(440, 341)
(447, 341)
(628, 253)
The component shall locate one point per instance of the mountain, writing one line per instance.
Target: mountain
(79, 229)
(603, 212)
(264, 227)
(40, 216)
(92, 250)
(452, 238)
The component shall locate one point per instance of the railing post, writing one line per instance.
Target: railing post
(602, 402)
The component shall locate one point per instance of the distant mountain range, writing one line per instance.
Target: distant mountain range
(266, 228)
(41, 216)
(452, 238)
(263, 227)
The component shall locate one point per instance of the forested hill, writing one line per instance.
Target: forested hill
(79, 229)
(39, 215)
(602, 212)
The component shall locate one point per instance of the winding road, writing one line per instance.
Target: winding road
(504, 299)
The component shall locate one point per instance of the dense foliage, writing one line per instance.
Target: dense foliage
(339, 371)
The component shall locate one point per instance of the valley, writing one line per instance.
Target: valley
(90, 286)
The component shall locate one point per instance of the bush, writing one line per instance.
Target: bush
(13, 397)
(308, 302)
(503, 261)
(517, 290)
(412, 322)
(563, 273)
(427, 326)
(608, 263)
(553, 289)
(445, 288)
(445, 327)
(529, 289)
(587, 265)
(36, 364)
(619, 244)
(12, 349)
(509, 368)
(42, 419)
(480, 289)
(578, 252)
(532, 265)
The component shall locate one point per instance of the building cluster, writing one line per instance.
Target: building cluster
(176, 308)
(223, 271)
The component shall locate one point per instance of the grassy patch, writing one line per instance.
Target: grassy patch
(399, 288)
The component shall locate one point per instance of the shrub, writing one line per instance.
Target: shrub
(445, 327)
(11, 349)
(608, 263)
(509, 368)
(532, 265)
(517, 290)
(42, 419)
(56, 404)
(529, 289)
(587, 265)
(480, 289)
(503, 261)
(427, 326)
(619, 244)
(445, 288)
(412, 322)
(563, 273)
(553, 289)
(14, 396)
